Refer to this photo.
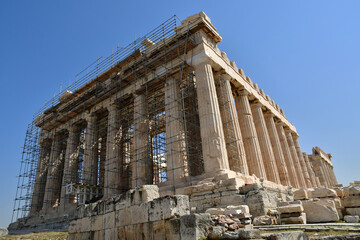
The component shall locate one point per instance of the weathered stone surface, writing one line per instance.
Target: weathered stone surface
(236, 210)
(353, 211)
(300, 194)
(351, 219)
(3, 232)
(320, 211)
(291, 208)
(195, 226)
(262, 220)
(294, 220)
(215, 211)
(216, 232)
(260, 202)
(352, 201)
(249, 234)
(322, 193)
(354, 190)
(172, 229)
(289, 235)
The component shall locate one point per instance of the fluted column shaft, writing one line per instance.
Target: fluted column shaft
(304, 169)
(141, 167)
(54, 171)
(295, 158)
(310, 171)
(211, 130)
(234, 143)
(90, 157)
(175, 134)
(70, 166)
(40, 179)
(265, 143)
(333, 176)
(287, 155)
(251, 142)
(276, 146)
(112, 162)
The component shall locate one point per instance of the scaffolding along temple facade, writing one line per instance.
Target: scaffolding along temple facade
(169, 109)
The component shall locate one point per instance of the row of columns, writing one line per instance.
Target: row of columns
(263, 146)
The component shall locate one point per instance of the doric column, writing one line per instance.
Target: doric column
(304, 169)
(287, 155)
(70, 166)
(310, 170)
(295, 158)
(91, 148)
(326, 173)
(141, 167)
(234, 143)
(40, 179)
(211, 130)
(112, 170)
(320, 173)
(333, 176)
(54, 172)
(331, 180)
(265, 143)
(175, 134)
(276, 146)
(251, 142)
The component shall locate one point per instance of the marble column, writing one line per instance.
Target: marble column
(211, 130)
(265, 143)
(287, 155)
(248, 130)
(112, 166)
(41, 175)
(295, 158)
(141, 169)
(70, 166)
(54, 171)
(326, 173)
(304, 169)
(276, 146)
(234, 143)
(175, 133)
(310, 171)
(90, 152)
(333, 176)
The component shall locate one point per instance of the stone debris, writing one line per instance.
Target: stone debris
(292, 212)
(3, 232)
(289, 235)
(351, 219)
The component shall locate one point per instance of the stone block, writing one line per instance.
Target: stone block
(98, 235)
(291, 208)
(72, 227)
(351, 219)
(159, 230)
(109, 220)
(172, 229)
(216, 232)
(155, 211)
(249, 187)
(140, 213)
(322, 193)
(195, 226)
(353, 211)
(168, 207)
(149, 192)
(295, 220)
(301, 194)
(242, 208)
(97, 223)
(215, 211)
(123, 217)
(262, 220)
(320, 211)
(111, 233)
(352, 201)
(354, 190)
(232, 199)
(249, 234)
(85, 224)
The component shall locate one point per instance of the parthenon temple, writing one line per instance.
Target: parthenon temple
(169, 109)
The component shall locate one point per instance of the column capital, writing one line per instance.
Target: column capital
(242, 92)
(112, 106)
(279, 122)
(256, 104)
(268, 114)
(200, 59)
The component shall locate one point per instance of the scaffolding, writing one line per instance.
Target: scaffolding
(71, 159)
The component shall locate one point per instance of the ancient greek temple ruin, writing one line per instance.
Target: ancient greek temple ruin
(169, 109)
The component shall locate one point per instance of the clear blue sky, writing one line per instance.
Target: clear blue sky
(304, 54)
